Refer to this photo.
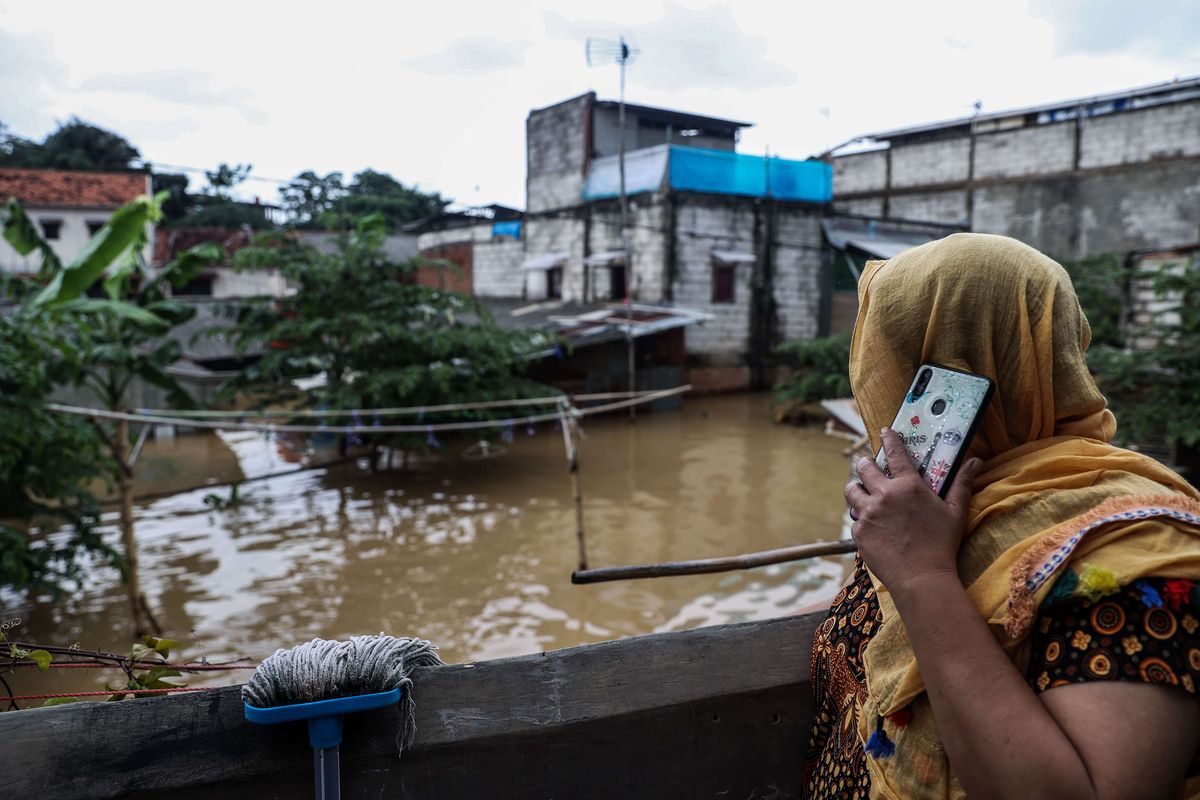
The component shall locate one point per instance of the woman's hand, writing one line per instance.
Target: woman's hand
(903, 530)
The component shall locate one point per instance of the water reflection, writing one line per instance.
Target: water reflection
(474, 555)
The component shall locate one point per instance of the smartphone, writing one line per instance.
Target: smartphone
(937, 420)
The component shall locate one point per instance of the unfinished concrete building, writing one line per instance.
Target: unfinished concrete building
(1113, 173)
(735, 236)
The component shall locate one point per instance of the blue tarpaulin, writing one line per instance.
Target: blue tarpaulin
(718, 171)
(697, 170)
(509, 228)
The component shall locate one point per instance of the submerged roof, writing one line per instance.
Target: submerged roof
(589, 324)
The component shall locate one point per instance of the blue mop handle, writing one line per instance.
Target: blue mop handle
(327, 777)
(324, 719)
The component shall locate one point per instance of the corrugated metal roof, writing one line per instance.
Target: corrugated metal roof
(733, 257)
(544, 261)
(883, 247)
(1133, 94)
(605, 257)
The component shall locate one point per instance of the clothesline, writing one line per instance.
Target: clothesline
(565, 409)
(385, 412)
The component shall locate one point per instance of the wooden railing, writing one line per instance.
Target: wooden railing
(715, 712)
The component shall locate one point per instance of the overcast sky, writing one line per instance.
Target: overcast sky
(437, 93)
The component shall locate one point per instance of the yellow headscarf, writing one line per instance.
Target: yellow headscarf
(1052, 493)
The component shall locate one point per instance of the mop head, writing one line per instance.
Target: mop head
(324, 670)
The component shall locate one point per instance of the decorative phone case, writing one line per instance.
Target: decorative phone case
(937, 424)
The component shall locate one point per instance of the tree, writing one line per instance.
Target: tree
(47, 462)
(116, 339)
(378, 338)
(374, 192)
(79, 145)
(1155, 391)
(225, 178)
(16, 151)
(312, 201)
(177, 203)
(309, 196)
(218, 212)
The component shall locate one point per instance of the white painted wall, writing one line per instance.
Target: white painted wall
(73, 238)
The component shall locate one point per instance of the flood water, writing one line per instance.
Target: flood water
(474, 555)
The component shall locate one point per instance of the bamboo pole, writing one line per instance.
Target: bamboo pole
(704, 566)
(573, 467)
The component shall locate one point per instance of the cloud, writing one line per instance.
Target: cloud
(472, 56)
(177, 86)
(687, 49)
(1162, 28)
(140, 130)
(30, 75)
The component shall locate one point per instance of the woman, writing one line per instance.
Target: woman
(1035, 634)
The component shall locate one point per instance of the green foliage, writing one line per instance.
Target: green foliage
(23, 234)
(59, 336)
(309, 196)
(210, 211)
(224, 178)
(46, 462)
(75, 145)
(173, 188)
(378, 337)
(1155, 391)
(820, 369)
(1101, 283)
(312, 201)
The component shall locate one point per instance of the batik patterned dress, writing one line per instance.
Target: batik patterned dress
(1145, 632)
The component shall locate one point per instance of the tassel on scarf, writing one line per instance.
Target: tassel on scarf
(1149, 595)
(1178, 593)
(1096, 582)
(879, 745)
(1064, 587)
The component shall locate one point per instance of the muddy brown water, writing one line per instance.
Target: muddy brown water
(474, 555)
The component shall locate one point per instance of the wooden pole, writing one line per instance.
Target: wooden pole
(578, 493)
(704, 566)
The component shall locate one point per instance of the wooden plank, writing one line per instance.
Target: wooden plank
(721, 711)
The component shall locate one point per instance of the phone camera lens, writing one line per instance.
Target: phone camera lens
(922, 382)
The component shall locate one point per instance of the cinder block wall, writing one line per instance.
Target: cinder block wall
(556, 145)
(1134, 182)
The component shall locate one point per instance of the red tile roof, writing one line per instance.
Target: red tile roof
(67, 189)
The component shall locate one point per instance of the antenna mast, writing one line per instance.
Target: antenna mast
(622, 53)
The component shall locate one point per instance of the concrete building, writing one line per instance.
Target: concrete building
(1113, 173)
(69, 207)
(478, 251)
(734, 236)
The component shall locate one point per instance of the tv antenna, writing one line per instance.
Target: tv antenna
(599, 52)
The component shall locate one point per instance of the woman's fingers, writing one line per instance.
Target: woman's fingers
(898, 460)
(869, 473)
(959, 495)
(856, 497)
